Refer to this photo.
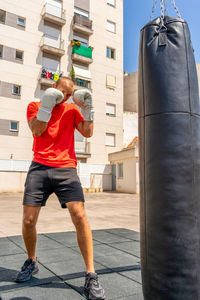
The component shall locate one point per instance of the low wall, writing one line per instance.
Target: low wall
(92, 176)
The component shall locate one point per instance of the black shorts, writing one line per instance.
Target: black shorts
(42, 181)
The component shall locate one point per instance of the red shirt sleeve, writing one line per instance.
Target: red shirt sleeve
(78, 116)
(32, 110)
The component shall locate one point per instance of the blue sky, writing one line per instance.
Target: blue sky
(137, 14)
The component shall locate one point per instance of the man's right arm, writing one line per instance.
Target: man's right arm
(51, 97)
(37, 127)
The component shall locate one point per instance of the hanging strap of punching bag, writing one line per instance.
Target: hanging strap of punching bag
(163, 8)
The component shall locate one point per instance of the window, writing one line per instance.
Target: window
(110, 109)
(2, 16)
(81, 13)
(19, 54)
(21, 21)
(16, 89)
(1, 51)
(120, 170)
(110, 53)
(111, 26)
(110, 139)
(110, 81)
(14, 126)
(111, 2)
(54, 7)
(83, 83)
(51, 65)
(84, 41)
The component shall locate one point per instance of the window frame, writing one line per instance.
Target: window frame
(19, 51)
(76, 13)
(15, 130)
(1, 56)
(111, 4)
(4, 21)
(107, 47)
(108, 86)
(109, 21)
(114, 135)
(111, 115)
(19, 86)
(120, 175)
(20, 24)
(78, 80)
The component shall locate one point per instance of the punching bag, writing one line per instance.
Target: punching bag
(169, 145)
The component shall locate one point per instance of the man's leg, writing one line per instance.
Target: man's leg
(30, 217)
(83, 231)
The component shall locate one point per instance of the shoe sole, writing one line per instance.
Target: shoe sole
(20, 281)
(101, 298)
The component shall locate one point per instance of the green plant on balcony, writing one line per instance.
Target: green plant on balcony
(73, 43)
(72, 73)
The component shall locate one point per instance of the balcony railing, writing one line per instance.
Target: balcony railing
(52, 45)
(83, 83)
(82, 149)
(54, 14)
(82, 50)
(82, 25)
(48, 77)
(83, 21)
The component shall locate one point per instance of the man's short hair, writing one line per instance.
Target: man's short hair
(59, 81)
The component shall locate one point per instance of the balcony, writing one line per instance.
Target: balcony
(82, 149)
(82, 25)
(53, 14)
(52, 45)
(82, 54)
(47, 77)
(82, 83)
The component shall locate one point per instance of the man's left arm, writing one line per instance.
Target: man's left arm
(86, 128)
(83, 98)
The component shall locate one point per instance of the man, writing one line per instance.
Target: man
(53, 170)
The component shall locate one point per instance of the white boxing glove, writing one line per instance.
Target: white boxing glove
(50, 98)
(83, 98)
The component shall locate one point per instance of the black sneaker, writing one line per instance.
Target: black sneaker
(28, 269)
(93, 287)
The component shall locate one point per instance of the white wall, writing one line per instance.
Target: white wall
(13, 175)
(127, 184)
(130, 127)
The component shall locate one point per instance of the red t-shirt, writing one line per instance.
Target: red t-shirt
(55, 147)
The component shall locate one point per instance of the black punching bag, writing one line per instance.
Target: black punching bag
(169, 143)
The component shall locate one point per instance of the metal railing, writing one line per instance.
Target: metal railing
(83, 83)
(82, 21)
(54, 11)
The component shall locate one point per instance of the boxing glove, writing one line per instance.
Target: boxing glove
(83, 98)
(50, 98)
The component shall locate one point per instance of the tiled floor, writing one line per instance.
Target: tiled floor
(61, 276)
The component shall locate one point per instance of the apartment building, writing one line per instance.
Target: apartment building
(43, 40)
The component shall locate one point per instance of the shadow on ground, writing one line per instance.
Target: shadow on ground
(61, 275)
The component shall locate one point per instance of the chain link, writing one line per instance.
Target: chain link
(162, 8)
(166, 11)
(153, 9)
(176, 8)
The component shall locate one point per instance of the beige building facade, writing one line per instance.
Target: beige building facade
(130, 115)
(125, 165)
(36, 49)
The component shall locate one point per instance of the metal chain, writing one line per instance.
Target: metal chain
(162, 9)
(153, 9)
(176, 8)
(166, 11)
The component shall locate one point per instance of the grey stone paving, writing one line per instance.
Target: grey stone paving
(61, 275)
